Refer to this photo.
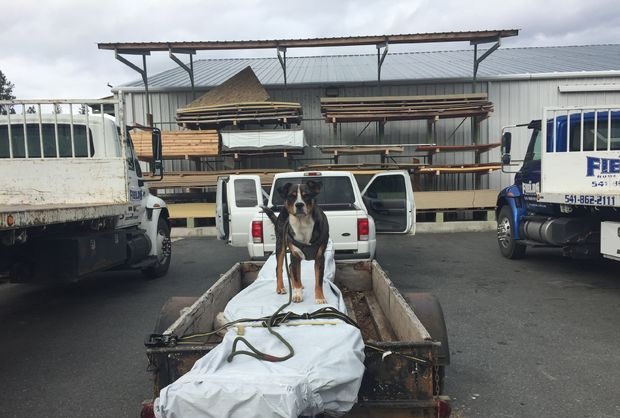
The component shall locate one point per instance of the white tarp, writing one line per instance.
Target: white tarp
(323, 376)
(267, 139)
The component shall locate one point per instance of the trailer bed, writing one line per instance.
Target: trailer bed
(402, 361)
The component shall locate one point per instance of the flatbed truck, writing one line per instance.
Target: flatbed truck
(566, 193)
(73, 200)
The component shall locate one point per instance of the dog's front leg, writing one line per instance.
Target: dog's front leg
(280, 260)
(298, 293)
(319, 270)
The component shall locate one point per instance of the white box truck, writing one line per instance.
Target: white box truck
(72, 197)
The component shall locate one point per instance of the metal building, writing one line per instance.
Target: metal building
(519, 81)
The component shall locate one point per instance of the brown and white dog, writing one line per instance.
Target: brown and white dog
(303, 227)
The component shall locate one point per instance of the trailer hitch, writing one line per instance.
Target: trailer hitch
(160, 340)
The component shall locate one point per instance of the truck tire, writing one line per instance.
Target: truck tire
(171, 311)
(428, 310)
(505, 236)
(162, 263)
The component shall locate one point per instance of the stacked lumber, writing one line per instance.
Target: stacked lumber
(360, 150)
(218, 116)
(480, 168)
(415, 168)
(239, 100)
(391, 108)
(197, 179)
(178, 144)
(480, 148)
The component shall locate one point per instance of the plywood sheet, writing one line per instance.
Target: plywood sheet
(242, 87)
(461, 199)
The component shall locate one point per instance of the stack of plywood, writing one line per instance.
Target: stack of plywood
(239, 114)
(178, 144)
(197, 179)
(239, 100)
(385, 108)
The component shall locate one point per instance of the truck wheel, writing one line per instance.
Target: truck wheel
(164, 247)
(428, 310)
(505, 235)
(171, 311)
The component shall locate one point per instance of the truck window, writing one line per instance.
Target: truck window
(245, 193)
(388, 187)
(336, 192)
(48, 130)
(590, 136)
(534, 148)
(132, 161)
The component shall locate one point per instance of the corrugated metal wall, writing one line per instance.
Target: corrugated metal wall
(514, 102)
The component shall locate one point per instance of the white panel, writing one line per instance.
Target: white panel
(610, 239)
(581, 173)
(65, 181)
(285, 138)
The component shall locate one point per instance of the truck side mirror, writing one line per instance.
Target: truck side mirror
(506, 146)
(157, 165)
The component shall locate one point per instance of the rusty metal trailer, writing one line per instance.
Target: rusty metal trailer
(406, 341)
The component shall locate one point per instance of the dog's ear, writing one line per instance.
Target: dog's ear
(283, 190)
(314, 186)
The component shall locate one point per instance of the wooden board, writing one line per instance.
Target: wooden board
(239, 114)
(242, 87)
(178, 144)
(433, 149)
(356, 150)
(457, 169)
(191, 210)
(392, 108)
(460, 199)
(426, 98)
(197, 179)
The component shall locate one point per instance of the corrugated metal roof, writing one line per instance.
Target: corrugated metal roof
(415, 66)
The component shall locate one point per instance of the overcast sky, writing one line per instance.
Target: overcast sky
(49, 48)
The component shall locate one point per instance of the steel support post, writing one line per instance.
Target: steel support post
(143, 73)
(189, 70)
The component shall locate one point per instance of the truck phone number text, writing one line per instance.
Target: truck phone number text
(573, 199)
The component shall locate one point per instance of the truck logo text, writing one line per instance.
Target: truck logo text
(531, 188)
(596, 166)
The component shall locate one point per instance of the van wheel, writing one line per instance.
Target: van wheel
(164, 251)
(505, 235)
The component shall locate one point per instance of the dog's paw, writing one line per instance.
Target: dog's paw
(320, 301)
(219, 321)
(298, 295)
(281, 291)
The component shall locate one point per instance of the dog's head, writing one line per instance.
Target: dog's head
(299, 199)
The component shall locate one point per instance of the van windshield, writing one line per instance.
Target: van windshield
(336, 192)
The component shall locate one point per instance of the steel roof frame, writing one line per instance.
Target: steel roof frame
(382, 42)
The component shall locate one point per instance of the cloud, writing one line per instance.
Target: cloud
(50, 48)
